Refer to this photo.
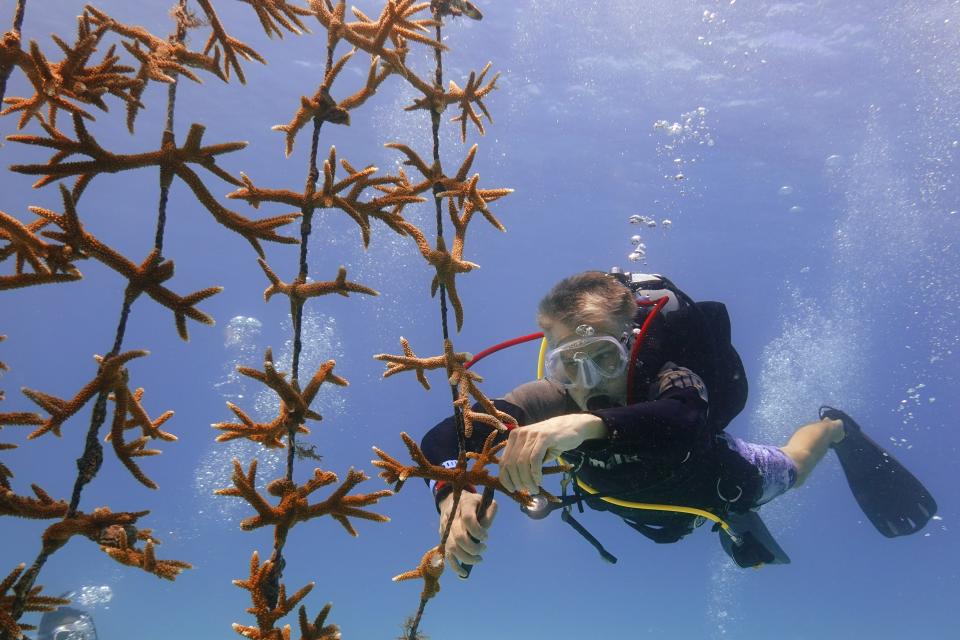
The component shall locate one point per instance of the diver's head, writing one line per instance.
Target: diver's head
(66, 623)
(587, 319)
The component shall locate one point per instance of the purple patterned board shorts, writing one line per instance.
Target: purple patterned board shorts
(777, 471)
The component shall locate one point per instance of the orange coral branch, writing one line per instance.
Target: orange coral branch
(126, 452)
(116, 534)
(294, 405)
(396, 473)
(410, 362)
(43, 507)
(274, 14)
(267, 613)
(171, 159)
(436, 99)
(33, 602)
(44, 258)
(294, 506)
(317, 630)
(302, 290)
(429, 570)
(394, 23)
(57, 84)
(231, 46)
(110, 374)
(146, 277)
(343, 194)
(159, 58)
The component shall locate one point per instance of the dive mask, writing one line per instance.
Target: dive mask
(586, 360)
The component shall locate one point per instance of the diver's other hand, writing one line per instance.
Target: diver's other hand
(468, 533)
(527, 447)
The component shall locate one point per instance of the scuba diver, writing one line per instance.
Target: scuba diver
(638, 383)
(67, 623)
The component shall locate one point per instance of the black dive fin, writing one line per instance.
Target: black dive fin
(756, 546)
(891, 497)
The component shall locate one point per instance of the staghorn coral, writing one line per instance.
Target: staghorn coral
(459, 376)
(147, 277)
(294, 405)
(448, 265)
(317, 630)
(159, 58)
(117, 536)
(463, 191)
(459, 186)
(429, 570)
(231, 47)
(129, 403)
(171, 159)
(303, 290)
(45, 259)
(410, 362)
(395, 473)
(43, 507)
(294, 506)
(63, 84)
(322, 106)
(473, 93)
(33, 602)
(267, 613)
(387, 41)
(394, 23)
(274, 14)
(111, 374)
(342, 194)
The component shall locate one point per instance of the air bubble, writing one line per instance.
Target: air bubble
(785, 190)
(667, 223)
(636, 219)
(834, 161)
(796, 209)
(636, 240)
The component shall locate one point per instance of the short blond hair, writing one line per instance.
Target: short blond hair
(592, 297)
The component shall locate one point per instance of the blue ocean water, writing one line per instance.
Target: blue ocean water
(805, 155)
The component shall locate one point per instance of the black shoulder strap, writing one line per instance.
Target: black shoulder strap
(666, 534)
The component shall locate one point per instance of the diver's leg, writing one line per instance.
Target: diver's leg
(810, 443)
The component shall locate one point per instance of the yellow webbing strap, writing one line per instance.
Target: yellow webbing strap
(660, 507)
(541, 358)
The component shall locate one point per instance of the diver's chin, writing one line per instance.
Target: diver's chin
(599, 401)
(594, 399)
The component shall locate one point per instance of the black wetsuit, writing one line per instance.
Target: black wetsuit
(657, 450)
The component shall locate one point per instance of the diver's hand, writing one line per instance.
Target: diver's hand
(527, 447)
(467, 534)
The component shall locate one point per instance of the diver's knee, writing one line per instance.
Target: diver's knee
(801, 461)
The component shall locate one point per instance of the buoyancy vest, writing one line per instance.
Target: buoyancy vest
(710, 476)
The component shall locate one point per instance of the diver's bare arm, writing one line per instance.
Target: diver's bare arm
(530, 446)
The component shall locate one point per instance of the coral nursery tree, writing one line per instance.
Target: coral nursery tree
(109, 62)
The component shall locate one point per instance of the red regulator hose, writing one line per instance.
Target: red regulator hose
(635, 351)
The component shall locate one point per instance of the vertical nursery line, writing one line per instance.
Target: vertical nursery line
(306, 226)
(272, 588)
(438, 202)
(88, 464)
(166, 178)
